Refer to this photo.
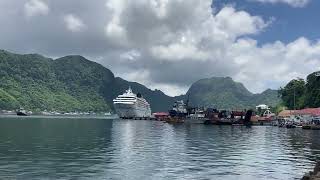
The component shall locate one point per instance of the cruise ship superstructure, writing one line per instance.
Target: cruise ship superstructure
(130, 105)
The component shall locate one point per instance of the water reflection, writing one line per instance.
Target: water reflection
(118, 149)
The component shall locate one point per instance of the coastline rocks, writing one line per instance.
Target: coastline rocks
(313, 175)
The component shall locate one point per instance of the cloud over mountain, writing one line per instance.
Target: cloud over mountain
(164, 44)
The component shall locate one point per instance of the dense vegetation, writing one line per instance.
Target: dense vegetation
(224, 93)
(293, 94)
(38, 83)
(73, 83)
(298, 94)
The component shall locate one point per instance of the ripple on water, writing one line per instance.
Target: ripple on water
(119, 149)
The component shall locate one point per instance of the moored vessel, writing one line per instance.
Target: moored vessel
(197, 116)
(129, 105)
(22, 112)
(178, 113)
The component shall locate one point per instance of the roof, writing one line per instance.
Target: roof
(307, 111)
(286, 113)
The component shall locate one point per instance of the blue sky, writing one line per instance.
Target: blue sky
(290, 22)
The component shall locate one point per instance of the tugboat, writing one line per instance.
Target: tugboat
(178, 113)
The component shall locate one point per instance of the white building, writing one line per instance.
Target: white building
(262, 107)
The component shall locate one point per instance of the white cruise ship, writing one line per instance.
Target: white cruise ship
(130, 105)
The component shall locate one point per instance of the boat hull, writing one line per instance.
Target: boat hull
(21, 114)
(195, 120)
(129, 111)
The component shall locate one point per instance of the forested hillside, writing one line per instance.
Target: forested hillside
(224, 93)
(73, 83)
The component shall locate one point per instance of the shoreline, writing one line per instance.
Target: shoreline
(58, 116)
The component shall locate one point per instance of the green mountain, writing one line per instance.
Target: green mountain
(224, 93)
(73, 83)
(70, 83)
(66, 84)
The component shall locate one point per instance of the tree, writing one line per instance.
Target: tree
(293, 94)
(313, 90)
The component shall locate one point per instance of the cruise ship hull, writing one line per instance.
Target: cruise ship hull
(131, 111)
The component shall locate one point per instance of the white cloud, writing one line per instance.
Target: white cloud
(142, 76)
(209, 44)
(179, 51)
(114, 30)
(293, 3)
(131, 55)
(239, 23)
(273, 64)
(35, 7)
(74, 23)
(164, 44)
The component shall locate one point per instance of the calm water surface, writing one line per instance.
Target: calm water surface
(120, 149)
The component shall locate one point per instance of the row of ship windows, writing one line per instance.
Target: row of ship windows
(128, 99)
(140, 103)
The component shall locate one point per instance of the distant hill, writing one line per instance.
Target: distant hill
(224, 93)
(73, 83)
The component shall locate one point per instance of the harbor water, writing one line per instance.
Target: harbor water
(68, 148)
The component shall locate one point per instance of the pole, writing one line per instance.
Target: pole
(294, 98)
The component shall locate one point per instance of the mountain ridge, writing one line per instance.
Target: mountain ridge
(74, 83)
(225, 93)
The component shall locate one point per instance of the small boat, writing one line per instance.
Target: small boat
(306, 127)
(21, 112)
(289, 126)
(107, 114)
(198, 117)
